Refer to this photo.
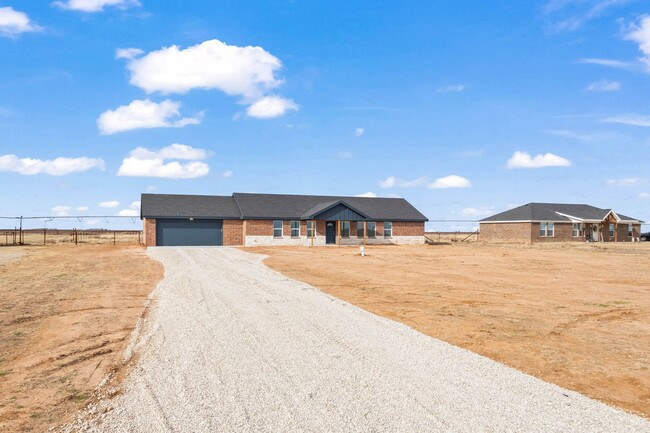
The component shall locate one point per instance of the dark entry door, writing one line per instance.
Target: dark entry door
(330, 232)
(185, 232)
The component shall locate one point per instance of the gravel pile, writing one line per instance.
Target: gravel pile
(233, 346)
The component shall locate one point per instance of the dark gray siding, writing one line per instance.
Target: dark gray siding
(183, 232)
(339, 212)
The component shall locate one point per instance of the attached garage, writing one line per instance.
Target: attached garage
(189, 232)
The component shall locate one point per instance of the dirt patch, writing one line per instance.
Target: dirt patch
(66, 314)
(575, 315)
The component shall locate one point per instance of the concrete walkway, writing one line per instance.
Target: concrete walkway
(232, 346)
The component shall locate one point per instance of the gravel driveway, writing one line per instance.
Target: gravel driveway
(232, 346)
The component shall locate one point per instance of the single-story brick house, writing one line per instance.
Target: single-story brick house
(550, 222)
(278, 219)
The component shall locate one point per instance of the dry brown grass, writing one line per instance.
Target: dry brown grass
(66, 314)
(577, 315)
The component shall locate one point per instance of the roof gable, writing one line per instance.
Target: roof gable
(336, 210)
(560, 212)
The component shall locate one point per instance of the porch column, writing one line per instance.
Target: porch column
(365, 232)
(338, 232)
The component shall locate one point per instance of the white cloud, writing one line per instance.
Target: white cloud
(632, 119)
(392, 181)
(271, 106)
(524, 160)
(133, 210)
(477, 212)
(13, 23)
(61, 210)
(359, 132)
(95, 5)
(54, 167)
(238, 71)
(624, 182)
(147, 163)
(369, 194)
(344, 154)
(109, 204)
(452, 181)
(641, 35)
(127, 53)
(579, 11)
(173, 151)
(644, 195)
(81, 208)
(604, 86)
(451, 88)
(143, 114)
(227, 173)
(616, 64)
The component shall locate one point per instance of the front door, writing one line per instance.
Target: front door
(330, 232)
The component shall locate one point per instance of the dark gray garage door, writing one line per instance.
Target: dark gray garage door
(176, 233)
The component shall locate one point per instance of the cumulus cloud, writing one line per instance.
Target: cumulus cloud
(94, 5)
(624, 182)
(227, 173)
(109, 204)
(144, 114)
(127, 53)
(132, 210)
(61, 210)
(604, 86)
(369, 194)
(640, 33)
(477, 212)
(81, 208)
(452, 181)
(154, 163)
(13, 23)
(240, 71)
(271, 106)
(631, 119)
(54, 167)
(524, 160)
(359, 132)
(391, 182)
(451, 88)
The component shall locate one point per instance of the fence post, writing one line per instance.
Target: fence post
(44, 235)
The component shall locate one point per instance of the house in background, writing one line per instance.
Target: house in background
(549, 222)
(278, 219)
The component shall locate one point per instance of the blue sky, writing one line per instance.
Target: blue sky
(464, 108)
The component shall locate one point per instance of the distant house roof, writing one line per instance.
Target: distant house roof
(560, 212)
(273, 206)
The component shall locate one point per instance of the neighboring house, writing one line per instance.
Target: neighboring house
(548, 222)
(274, 219)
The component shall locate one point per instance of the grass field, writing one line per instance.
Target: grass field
(577, 315)
(66, 314)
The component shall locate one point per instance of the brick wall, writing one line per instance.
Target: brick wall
(506, 232)
(259, 228)
(149, 232)
(563, 232)
(233, 232)
(403, 228)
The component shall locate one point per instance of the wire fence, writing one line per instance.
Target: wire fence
(74, 230)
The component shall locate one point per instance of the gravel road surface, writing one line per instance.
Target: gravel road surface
(232, 346)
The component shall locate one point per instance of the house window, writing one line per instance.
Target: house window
(372, 229)
(295, 229)
(311, 229)
(630, 230)
(277, 228)
(546, 230)
(388, 230)
(360, 229)
(611, 230)
(577, 230)
(345, 229)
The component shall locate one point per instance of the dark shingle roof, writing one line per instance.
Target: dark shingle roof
(549, 212)
(185, 206)
(284, 206)
(271, 206)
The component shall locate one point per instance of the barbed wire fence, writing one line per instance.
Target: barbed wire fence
(446, 231)
(86, 229)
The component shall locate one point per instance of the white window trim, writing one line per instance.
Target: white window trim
(313, 229)
(281, 229)
(292, 229)
(368, 230)
(391, 229)
(349, 228)
(545, 225)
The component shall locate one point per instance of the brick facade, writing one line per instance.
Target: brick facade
(233, 232)
(408, 228)
(149, 227)
(563, 232)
